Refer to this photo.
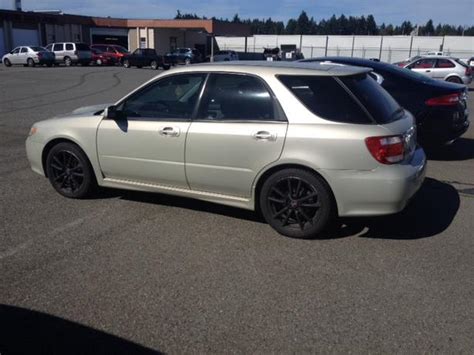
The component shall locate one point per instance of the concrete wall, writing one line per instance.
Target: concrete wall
(132, 39)
(388, 48)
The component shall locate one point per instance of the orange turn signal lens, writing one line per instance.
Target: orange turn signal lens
(33, 130)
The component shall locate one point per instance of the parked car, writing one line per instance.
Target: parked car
(225, 56)
(69, 53)
(470, 62)
(442, 68)
(183, 56)
(301, 143)
(440, 108)
(101, 58)
(28, 55)
(113, 51)
(144, 57)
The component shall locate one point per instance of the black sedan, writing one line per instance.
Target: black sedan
(144, 57)
(440, 108)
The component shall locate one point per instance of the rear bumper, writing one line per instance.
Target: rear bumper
(385, 190)
(441, 125)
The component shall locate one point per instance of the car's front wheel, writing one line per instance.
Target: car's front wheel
(126, 63)
(67, 61)
(187, 61)
(297, 203)
(7, 63)
(69, 171)
(154, 64)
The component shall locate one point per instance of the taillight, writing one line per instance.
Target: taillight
(445, 100)
(386, 149)
(468, 71)
(75, 52)
(39, 54)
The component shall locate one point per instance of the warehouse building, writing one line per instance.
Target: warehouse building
(41, 28)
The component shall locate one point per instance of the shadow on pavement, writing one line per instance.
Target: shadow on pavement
(430, 212)
(24, 331)
(462, 149)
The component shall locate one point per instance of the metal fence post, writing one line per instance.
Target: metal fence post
(311, 51)
(326, 50)
(411, 46)
(381, 45)
(353, 42)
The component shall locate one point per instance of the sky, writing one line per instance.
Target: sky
(455, 12)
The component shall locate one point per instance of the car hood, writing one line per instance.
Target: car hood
(89, 110)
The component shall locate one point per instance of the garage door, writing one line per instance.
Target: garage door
(2, 43)
(24, 37)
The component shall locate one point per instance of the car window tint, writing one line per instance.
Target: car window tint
(326, 98)
(444, 63)
(380, 104)
(37, 49)
(23, 50)
(425, 63)
(137, 52)
(69, 47)
(16, 50)
(58, 47)
(171, 97)
(49, 47)
(236, 97)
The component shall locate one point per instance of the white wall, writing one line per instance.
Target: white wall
(394, 48)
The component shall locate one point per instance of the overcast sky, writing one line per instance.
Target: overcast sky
(457, 12)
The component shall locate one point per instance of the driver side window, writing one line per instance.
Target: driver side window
(173, 97)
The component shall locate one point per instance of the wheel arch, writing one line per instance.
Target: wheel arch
(260, 180)
(453, 75)
(55, 141)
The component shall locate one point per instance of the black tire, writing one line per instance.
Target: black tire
(67, 61)
(49, 65)
(126, 63)
(454, 79)
(297, 203)
(30, 62)
(154, 65)
(70, 171)
(187, 61)
(7, 63)
(139, 66)
(166, 66)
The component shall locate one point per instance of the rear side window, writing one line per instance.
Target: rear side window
(58, 47)
(381, 105)
(326, 98)
(23, 50)
(444, 63)
(423, 64)
(69, 47)
(236, 97)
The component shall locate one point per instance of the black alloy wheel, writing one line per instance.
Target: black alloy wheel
(69, 171)
(297, 203)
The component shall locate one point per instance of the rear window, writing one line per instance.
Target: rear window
(82, 47)
(380, 104)
(326, 98)
(37, 49)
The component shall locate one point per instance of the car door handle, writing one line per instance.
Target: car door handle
(169, 131)
(264, 136)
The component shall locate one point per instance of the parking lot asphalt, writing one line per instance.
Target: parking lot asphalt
(136, 273)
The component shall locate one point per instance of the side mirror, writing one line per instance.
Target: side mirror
(113, 113)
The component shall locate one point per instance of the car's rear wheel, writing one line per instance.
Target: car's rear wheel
(297, 203)
(7, 63)
(67, 61)
(69, 171)
(187, 61)
(166, 66)
(30, 62)
(154, 64)
(454, 79)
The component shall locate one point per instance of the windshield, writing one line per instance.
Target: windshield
(120, 49)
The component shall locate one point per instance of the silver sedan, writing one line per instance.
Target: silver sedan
(300, 142)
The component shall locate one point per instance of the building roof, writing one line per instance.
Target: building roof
(211, 26)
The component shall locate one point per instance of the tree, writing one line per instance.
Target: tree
(371, 25)
(236, 19)
(428, 29)
(291, 27)
(303, 25)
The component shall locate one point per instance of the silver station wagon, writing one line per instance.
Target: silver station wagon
(301, 142)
